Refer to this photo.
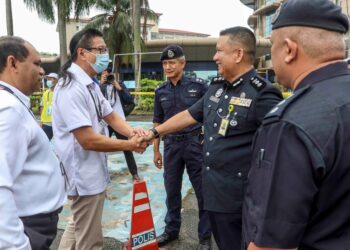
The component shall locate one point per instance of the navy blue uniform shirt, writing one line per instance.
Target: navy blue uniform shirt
(298, 195)
(227, 158)
(170, 100)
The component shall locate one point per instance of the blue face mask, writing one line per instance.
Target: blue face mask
(101, 64)
(49, 83)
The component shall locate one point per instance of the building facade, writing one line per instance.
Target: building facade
(260, 22)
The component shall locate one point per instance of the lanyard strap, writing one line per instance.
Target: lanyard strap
(97, 107)
(2, 87)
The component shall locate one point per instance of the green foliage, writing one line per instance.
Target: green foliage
(146, 102)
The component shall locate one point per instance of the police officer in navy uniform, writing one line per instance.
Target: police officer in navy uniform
(181, 149)
(231, 111)
(298, 193)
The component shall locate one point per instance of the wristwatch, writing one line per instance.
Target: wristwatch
(155, 132)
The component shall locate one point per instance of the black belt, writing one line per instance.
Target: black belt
(183, 137)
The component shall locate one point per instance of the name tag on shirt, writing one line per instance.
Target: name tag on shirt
(243, 102)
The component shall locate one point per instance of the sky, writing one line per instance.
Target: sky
(208, 17)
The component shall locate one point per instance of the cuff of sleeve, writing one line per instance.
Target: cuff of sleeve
(192, 113)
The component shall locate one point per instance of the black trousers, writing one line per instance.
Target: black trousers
(48, 131)
(227, 230)
(41, 229)
(129, 157)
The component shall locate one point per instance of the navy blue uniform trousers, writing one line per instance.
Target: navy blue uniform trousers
(178, 155)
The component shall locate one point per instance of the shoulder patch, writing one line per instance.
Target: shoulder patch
(217, 80)
(277, 112)
(257, 83)
(197, 80)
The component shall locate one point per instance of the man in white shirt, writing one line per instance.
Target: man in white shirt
(116, 93)
(32, 188)
(80, 117)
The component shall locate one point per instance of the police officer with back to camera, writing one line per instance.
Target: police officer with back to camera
(231, 111)
(298, 193)
(181, 149)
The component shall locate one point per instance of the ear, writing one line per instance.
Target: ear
(11, 63)
(81, 52)
(240, 55)
(291, 50)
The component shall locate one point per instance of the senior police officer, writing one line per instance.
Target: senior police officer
(298, 193)
(231, 111)
(181, 149)
(31, 184)
(80, 117)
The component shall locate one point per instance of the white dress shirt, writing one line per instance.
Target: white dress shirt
(74, 107)
(30, 177)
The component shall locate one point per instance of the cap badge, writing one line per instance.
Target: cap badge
(171, 54)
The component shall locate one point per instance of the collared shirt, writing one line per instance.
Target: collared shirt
(30, 178)
(80, 104)
(171, 99)
(227, 157)
(298, 194)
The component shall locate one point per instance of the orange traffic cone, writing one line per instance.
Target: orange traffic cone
(142, 233)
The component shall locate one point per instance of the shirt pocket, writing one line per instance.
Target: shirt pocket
(191, 98)
(166, 105)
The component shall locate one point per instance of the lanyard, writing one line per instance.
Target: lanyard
(97, 106)
(13, 93)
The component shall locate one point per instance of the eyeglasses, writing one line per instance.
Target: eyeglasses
(101, 50)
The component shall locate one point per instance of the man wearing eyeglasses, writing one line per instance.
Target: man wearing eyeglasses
(80, 117)
(231, 111)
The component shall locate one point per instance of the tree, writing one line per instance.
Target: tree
(136, 17)
(45, 10)
(9, 21)
(116, 24)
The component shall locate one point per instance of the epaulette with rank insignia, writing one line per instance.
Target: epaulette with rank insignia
(277, 112)
(197, 80)
(217, 80)
(258, 83)
(161, 85)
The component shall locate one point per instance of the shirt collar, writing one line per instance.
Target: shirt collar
(326, 72)
(247, 75)
(80, 74)
(25, 99)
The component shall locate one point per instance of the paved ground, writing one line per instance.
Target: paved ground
(188, 234)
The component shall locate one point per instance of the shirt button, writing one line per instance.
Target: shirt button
(226, 96)
(220, 110)
(215, 125)
(209, 106)
(210, 138)
(239, 174)
(207, 153)
(208, 168)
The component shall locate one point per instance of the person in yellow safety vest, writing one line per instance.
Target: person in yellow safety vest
(46, 105)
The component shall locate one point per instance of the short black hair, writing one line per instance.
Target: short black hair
(243, 36)
(12, 46)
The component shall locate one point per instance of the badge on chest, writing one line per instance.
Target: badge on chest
(241, 101)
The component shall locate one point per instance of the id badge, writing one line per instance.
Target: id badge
(223, 126)
(49, 110)
(103, 127)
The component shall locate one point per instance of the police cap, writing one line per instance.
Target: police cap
(171, 52)
(322, 14)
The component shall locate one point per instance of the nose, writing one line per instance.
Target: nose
(215, 57)
(42, 71)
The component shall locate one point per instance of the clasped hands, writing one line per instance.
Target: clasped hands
(140, 140)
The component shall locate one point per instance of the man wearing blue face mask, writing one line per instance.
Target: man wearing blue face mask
(46, 105)
(80, 117)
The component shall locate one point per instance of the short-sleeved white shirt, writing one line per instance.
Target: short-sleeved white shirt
(30, 176)
(73, 108)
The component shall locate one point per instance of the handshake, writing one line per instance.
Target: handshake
(140, 140)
